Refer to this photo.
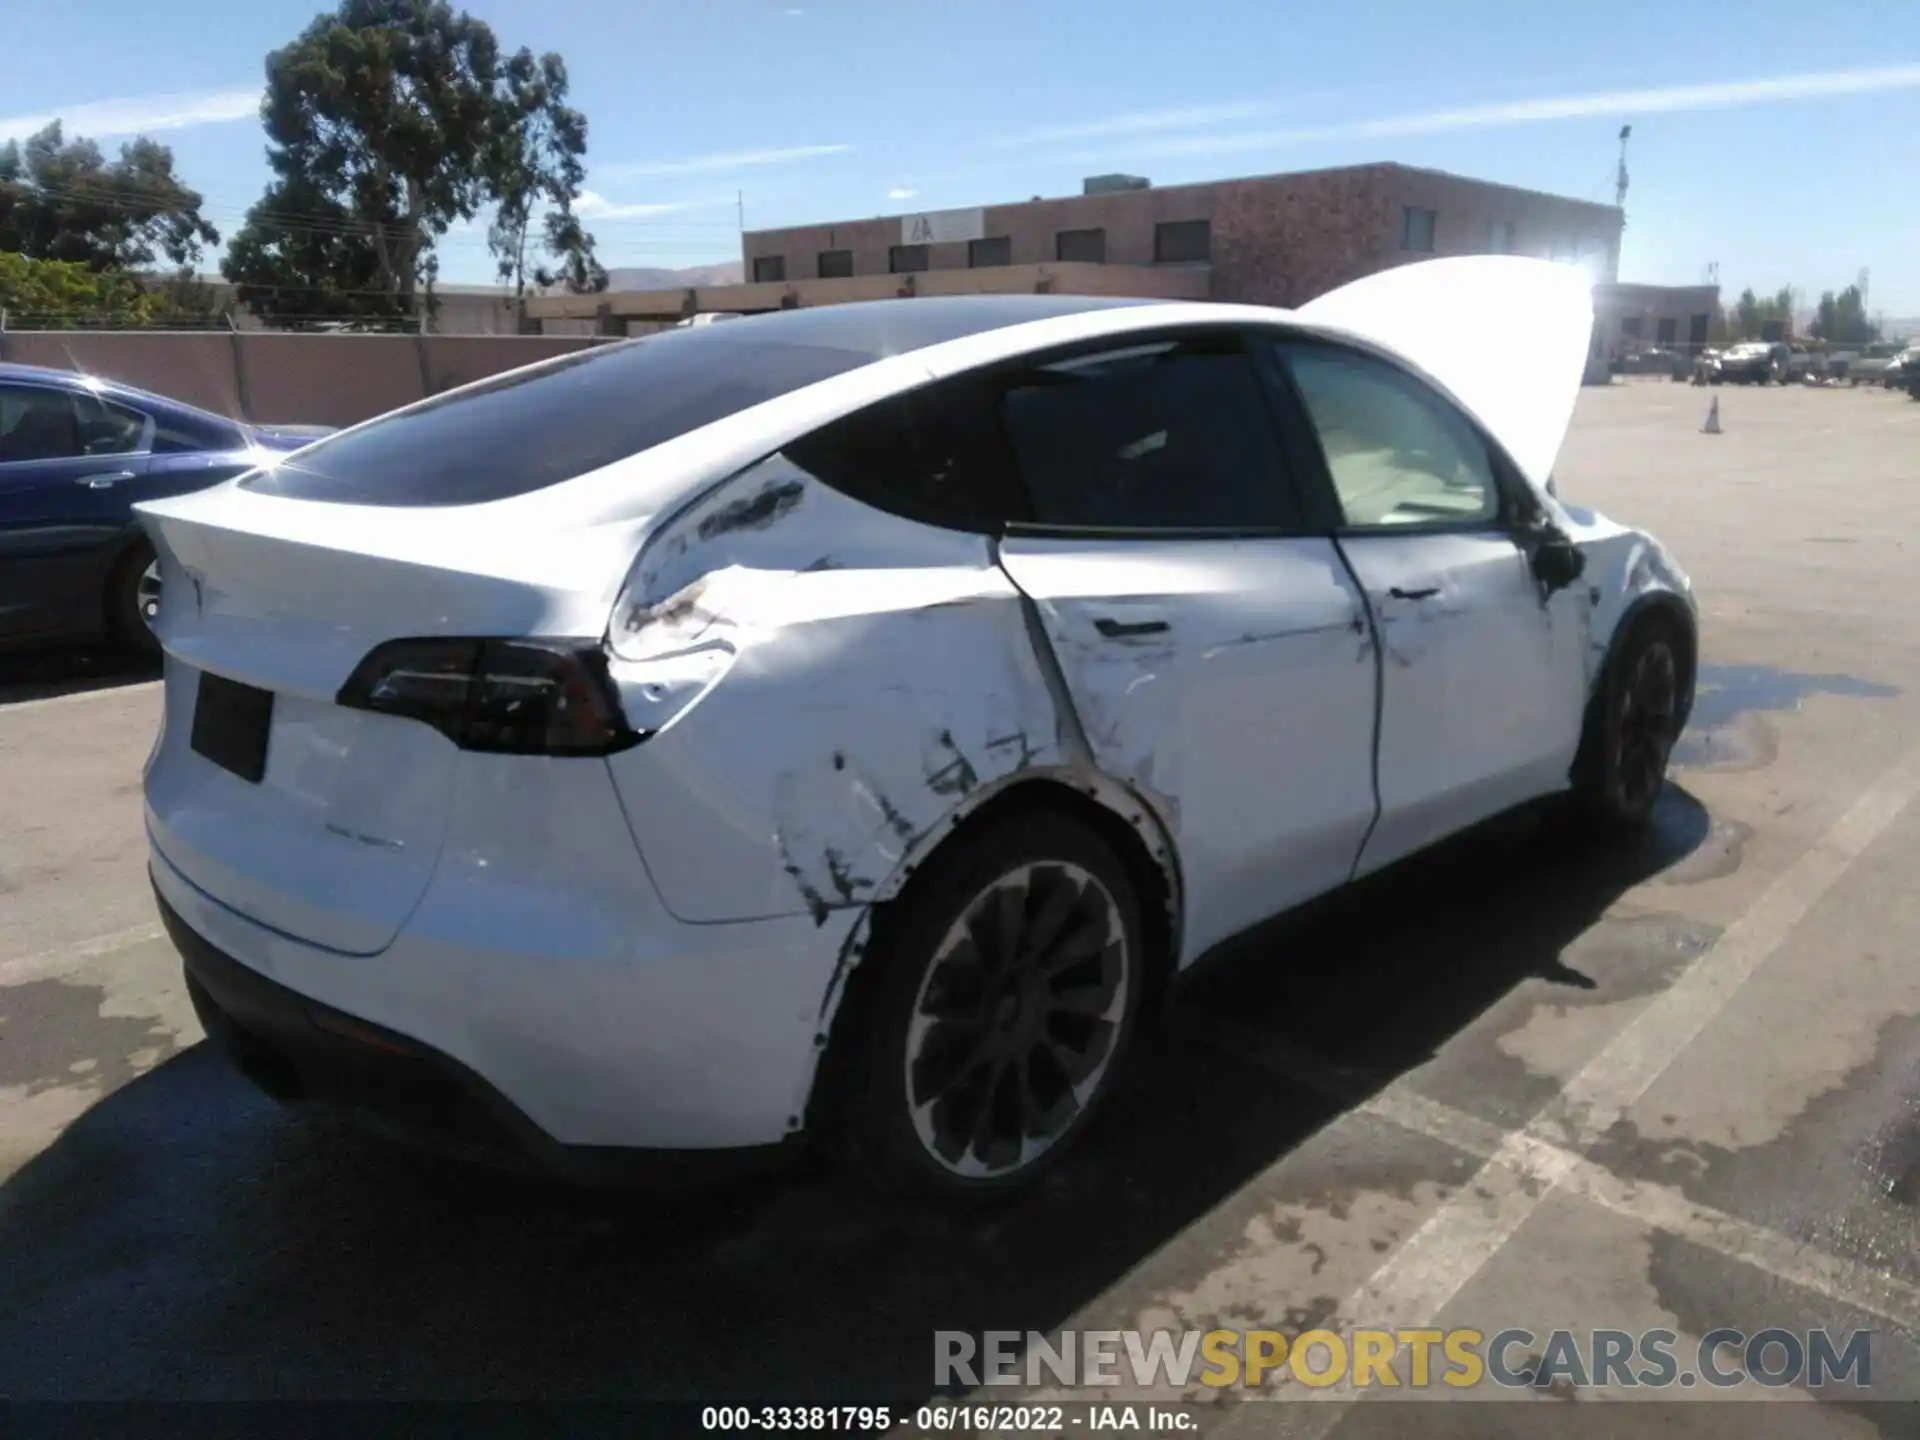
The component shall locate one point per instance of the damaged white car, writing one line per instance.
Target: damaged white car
(843, 722)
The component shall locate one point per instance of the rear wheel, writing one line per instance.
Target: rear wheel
(133, 598)
(999, 1001)
(1633, 725)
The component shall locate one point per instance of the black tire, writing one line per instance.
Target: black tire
(127, 603)
(1633, 722)
(962, 1043)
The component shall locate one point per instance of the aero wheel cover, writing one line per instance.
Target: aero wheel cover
(1648, 725)
(1015, 1022)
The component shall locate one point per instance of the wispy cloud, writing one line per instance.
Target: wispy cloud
(138, 114)
(901, 192)
(1624, 104)
(733, 160)
(1142, 122)
(592, 205)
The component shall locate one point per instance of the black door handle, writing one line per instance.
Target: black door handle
(1423, 594)
(1121, 629)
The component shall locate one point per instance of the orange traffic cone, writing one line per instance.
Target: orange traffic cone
(1712, 427)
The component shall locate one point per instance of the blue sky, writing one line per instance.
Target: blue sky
(1781, 140)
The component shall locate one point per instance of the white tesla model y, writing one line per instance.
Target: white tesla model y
(842, 721)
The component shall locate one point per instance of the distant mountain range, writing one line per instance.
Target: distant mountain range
(653, 277)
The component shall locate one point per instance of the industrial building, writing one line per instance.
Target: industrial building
(1270, 240)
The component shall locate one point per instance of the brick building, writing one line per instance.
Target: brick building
(1273, 240)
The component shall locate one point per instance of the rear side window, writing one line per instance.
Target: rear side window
(1174, 435)
(186, 434)
(530, 429)
(935, 454)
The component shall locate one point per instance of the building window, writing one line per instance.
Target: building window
(994, 250)
(1416, 229)
(1630, 327)
(1087, 245)
(905, 259)
(1182, 242)
(1665, 331)
(1500, 238)
(836, 264)
(769, 267)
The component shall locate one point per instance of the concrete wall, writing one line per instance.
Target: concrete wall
(278, 377)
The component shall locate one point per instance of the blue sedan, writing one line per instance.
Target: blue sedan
(76, 455)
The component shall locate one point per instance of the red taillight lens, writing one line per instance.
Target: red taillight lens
(514, 697)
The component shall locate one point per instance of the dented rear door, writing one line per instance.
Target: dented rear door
(1219, 661)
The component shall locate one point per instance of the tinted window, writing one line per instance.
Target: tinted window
(44, 423)
(1397, 453)
(1179, 242)
(994, 250)
(184, 434)
(904, 259)
(836, 264)
(1088, 245)
(769, 267)
(1169, 435)
(1416, 229)
(532, 428)
(529, 430)
(935, 454)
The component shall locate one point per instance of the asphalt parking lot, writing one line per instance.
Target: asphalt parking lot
(1523, 1082)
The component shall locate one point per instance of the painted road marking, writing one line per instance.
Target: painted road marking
(99, 692)
(50, 963)
(1456, 1242)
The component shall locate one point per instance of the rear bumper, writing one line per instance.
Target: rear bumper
(302, 1052)
(481, 1028)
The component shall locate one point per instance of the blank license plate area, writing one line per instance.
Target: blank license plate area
(231, 722)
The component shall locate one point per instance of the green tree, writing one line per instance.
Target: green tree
(389, 121)
(539, 162)
(63, 199)
(60, 294)
(1746, 314)
(1843, 319)
(303, 258)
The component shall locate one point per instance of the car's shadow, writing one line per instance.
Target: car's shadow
(44, 672)
(186, 1238)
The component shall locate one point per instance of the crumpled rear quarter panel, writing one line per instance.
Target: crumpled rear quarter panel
(882, 673)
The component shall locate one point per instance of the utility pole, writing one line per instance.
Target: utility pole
(1620, 178)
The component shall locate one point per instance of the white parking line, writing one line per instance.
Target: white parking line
(58, 961)
(99, 692)
(1456, 1242)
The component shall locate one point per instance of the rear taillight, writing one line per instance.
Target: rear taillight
(514, 697)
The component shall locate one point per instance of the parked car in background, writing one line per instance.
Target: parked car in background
(76, 455)
(1748, 362)
(844, 722)
(1904, 371)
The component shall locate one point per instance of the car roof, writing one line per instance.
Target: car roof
(881, 329)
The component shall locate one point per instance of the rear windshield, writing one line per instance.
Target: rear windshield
(530, 429)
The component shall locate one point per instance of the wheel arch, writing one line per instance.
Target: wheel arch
(1122, 819)
(1664, 605)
